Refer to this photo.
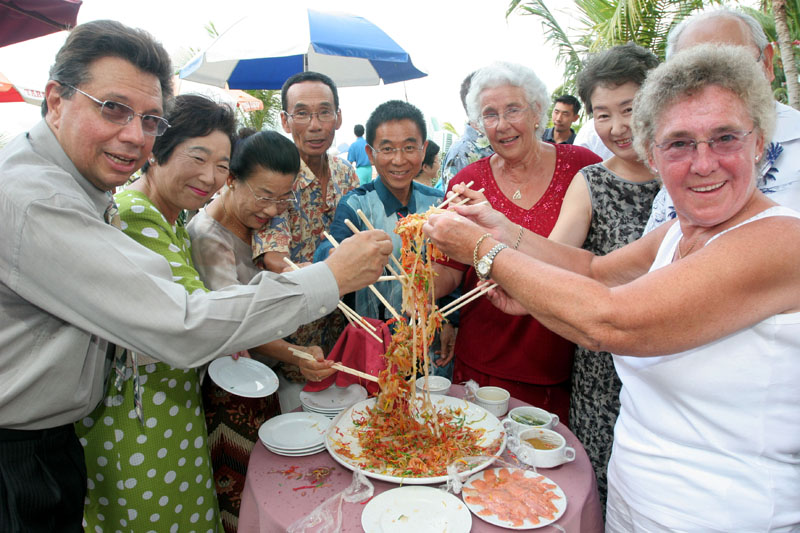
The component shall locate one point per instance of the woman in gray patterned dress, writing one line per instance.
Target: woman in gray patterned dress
(605, 208)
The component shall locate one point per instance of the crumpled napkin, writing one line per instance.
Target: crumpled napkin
(359, 350)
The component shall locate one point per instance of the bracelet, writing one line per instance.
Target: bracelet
(477, 246)
(519, 237)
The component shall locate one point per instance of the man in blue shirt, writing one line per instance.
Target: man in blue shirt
(396, 144)
(357, 154)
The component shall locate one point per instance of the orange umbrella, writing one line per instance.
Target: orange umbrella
(240, 99)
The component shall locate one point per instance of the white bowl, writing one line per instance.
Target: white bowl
(493, 399)
(435, 384)
(527, 416)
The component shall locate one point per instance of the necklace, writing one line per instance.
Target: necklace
(238, 229)
(681, 255)
(517, 195)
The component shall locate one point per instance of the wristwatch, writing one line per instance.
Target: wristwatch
(484, 265)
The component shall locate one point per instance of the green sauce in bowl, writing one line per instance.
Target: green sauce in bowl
(527, 420)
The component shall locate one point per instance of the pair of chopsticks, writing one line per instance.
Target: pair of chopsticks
(349, 313)
(338, 366)
(375, 291)
(461, 202)
(464, 299)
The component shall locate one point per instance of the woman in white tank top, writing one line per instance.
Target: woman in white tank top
(704, 312)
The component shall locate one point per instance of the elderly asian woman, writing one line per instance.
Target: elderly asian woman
(526, 180)
(146, 444)
(259, 187)
(704, 312)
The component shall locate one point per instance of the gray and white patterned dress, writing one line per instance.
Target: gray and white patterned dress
(620, 209)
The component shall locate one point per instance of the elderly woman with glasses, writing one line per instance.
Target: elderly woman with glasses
(526, 180)
(146, 446)
(259, 187)
(703, 312)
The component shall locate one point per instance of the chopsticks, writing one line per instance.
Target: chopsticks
(352, 227)
(350, 314)
(441, 205)
(338, 366)
(368, 224)
(458, 303)
(375, 291)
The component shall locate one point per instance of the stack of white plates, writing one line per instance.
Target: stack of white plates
(333, 400)
(295, 434)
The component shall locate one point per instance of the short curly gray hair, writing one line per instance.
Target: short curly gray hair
(689, 72)
(503, 73)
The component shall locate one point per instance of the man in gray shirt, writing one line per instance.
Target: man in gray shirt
(70, 283)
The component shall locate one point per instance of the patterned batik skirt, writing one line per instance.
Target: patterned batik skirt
(233, 423)
(154, 476)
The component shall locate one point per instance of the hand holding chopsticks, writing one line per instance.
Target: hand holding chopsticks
(463, 300)
(375, 291)
(350, 314)
(338, 366)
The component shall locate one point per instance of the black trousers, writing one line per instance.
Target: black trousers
(42, 480)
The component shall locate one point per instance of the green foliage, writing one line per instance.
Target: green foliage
(767, 21)
(266, 118)
(605, 23)
(446, 126)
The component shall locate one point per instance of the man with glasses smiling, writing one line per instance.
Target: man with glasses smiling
(396, 141)
(779, 168)
(71, 284)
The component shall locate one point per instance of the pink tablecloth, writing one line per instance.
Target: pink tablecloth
(280, 490)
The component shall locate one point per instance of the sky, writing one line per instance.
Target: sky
(446, 39)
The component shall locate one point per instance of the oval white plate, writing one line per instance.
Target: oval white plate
(561, 503)
(294, 431)
(243, 376)
(333, 399)
(417, 510)
(344, 431)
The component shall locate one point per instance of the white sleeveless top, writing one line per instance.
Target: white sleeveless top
(709, 439)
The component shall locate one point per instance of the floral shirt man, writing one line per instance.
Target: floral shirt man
(298, 231)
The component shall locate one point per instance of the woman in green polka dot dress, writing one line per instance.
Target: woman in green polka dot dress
(149, 467)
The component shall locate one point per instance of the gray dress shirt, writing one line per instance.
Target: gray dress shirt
(70, 283)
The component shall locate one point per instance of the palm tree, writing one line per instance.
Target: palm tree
(606, 23)
(266, 118)
(779, 11)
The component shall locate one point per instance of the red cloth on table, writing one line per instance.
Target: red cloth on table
(517, 348)
(359, 350)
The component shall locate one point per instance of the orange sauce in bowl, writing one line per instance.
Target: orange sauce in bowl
(541, 444)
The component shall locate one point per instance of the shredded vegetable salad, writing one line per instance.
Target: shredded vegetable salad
(401, 436)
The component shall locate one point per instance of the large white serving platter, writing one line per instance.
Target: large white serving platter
(417, 509)
(344, 431)
(243, 376)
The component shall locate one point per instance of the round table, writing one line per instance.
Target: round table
(279, 490)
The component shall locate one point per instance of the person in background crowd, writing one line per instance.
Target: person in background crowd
(526, 179)
(606, 207)
(72, 285)
(471, 146)
(259, 186)
(311, 115)
(189, 163)
(357, 154)
(566, 111)
(702, 313)
(430, 165)
(779, 170)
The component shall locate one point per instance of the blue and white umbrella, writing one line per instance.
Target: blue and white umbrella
(349, 49)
